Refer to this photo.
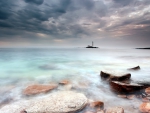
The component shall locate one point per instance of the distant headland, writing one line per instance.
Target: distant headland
(143, 48)
(91, 46)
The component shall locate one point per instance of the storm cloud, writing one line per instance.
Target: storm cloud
(62, 22)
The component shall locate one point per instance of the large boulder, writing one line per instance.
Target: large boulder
(145, 107)
(112, 77)
(125, 88)
(115, 110)
(58, 102)
(38, 88)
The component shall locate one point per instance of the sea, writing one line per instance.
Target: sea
(20, 67)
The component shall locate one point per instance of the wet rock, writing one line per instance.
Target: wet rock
(115, 110)
(145, 107)
(97, 104)
(111, 77)
(147, 90)
(124, 88)
(130, 97)
(135, 68)
(38, 88)
(64, 82)
(58, 102)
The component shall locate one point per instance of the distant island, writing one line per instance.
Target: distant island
(143, 48)
(91, 46)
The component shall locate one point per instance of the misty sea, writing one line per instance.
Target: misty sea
(22, 67)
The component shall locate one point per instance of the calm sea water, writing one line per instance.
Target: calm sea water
(21, 67)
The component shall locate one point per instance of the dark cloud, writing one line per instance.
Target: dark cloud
(123, 2)
(3, 15)
(70, 19)
(37, 2)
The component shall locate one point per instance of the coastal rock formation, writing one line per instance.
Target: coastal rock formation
(145, 107)
(115, 110)
(135, 68)
(111, 77)
(120, 87)
(58, 102)
(147, 90)
(38, 88)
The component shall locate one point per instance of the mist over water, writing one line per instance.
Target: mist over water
(22, 67)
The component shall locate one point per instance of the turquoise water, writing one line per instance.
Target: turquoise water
(21, 67)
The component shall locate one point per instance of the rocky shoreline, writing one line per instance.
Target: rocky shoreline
(71, 100)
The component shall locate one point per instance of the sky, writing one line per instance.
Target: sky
(74, 23)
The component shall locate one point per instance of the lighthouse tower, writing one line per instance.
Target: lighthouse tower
(92, 44)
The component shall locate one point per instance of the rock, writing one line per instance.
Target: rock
(122, 96)
(130, 97)
(64, 82)
(97, 104)
(145, 107)
(16, 107)
(135, 68)
(147, 90)
(58, 102)
(124, 88)
(38, 88)
(115, 110)
(111, 77)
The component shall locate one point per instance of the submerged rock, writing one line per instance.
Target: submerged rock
(135, 68)
(38, 88)
(58, 102)
(120, 87)
(115, 110)
(111, 77)
(145, 107)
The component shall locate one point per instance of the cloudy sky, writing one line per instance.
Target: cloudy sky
(74, 23)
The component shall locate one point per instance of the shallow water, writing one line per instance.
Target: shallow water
(81, 66)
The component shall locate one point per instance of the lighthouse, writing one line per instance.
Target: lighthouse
(91, 46)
